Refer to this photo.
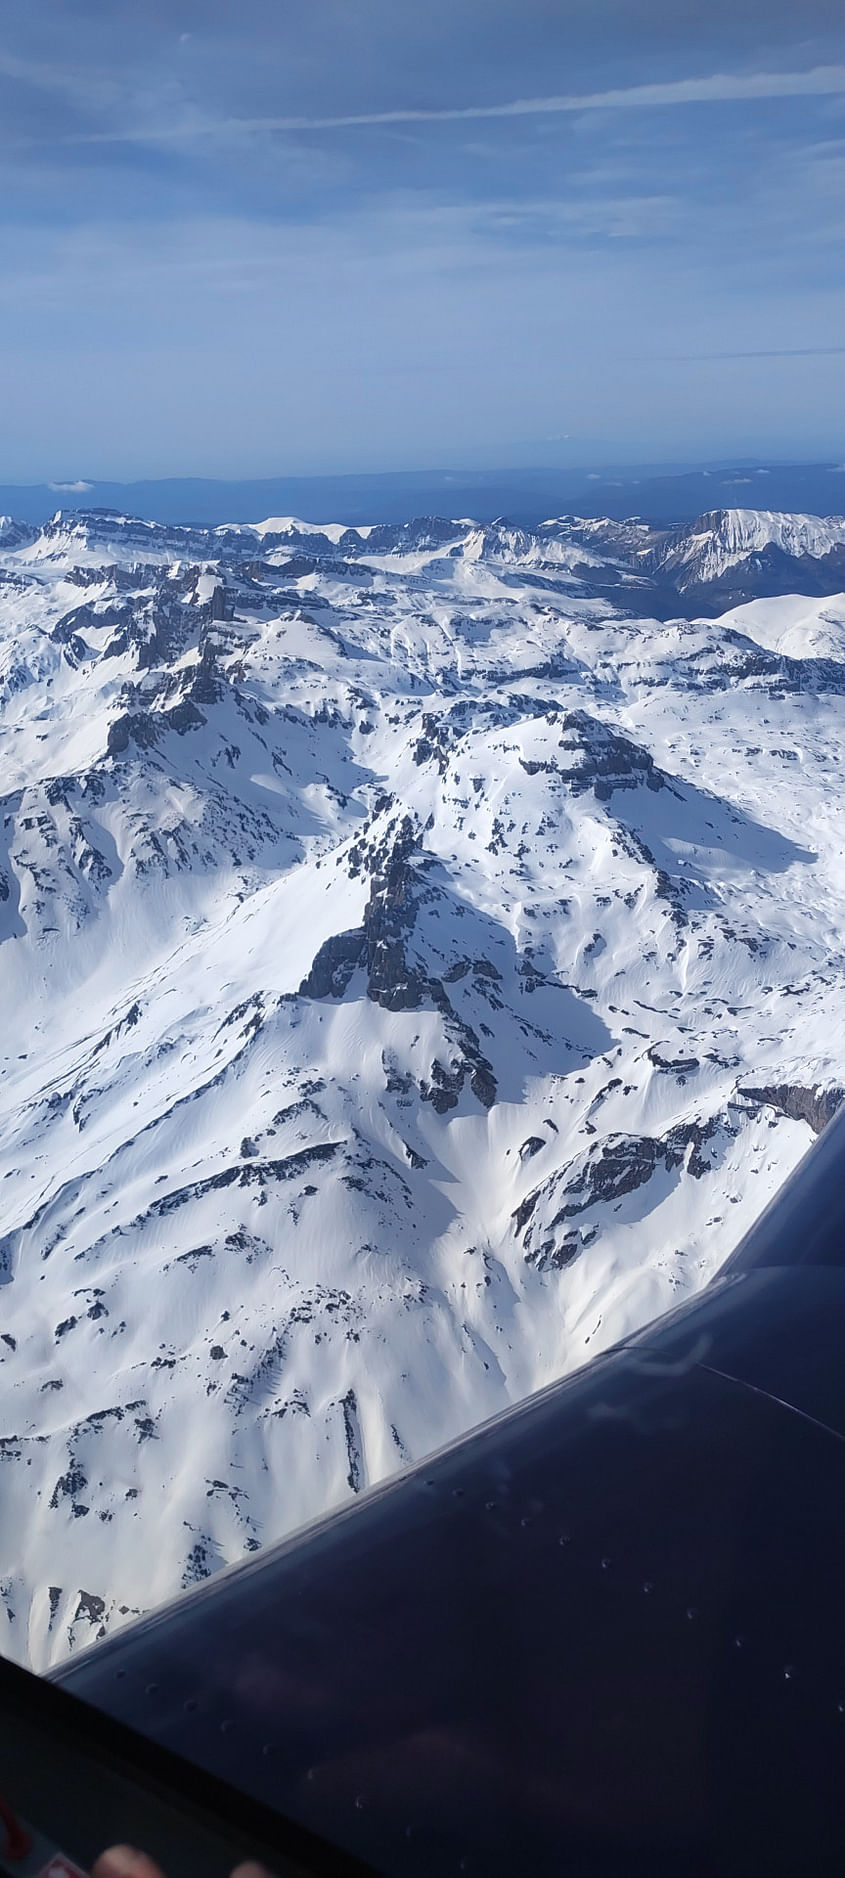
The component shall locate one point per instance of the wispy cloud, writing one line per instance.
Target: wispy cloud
(776, 352)
(720, 88)
(97, 91)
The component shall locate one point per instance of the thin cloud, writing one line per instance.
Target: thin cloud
(720, 88)
(82, 88)
(780, 352)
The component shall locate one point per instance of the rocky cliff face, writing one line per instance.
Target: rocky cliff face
(816, 1107)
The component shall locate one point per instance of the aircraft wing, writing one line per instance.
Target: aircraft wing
(603, 1634)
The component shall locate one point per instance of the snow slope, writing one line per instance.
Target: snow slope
(417, 971)
(795, 626)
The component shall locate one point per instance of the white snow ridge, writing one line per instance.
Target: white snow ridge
(422, 956)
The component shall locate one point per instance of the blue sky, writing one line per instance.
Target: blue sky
(256, 237)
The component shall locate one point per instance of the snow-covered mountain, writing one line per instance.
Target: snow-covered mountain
(733, 554)
(421, 958)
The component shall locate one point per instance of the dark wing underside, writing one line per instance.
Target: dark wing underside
(602, 1635)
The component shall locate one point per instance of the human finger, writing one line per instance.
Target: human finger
(125, 1861)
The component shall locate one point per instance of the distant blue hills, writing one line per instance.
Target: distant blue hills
(526, 496)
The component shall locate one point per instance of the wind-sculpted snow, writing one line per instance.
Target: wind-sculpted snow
(421, 957)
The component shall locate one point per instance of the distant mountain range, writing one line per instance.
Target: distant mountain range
(422, 953)
(660, 494)
(721, 559)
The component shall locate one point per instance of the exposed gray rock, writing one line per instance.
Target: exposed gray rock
(816, 1107)
(616, 1167)
(334, 965)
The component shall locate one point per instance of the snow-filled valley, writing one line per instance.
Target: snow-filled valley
(421, 958)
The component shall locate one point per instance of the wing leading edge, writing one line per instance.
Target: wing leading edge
(602, 1634)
